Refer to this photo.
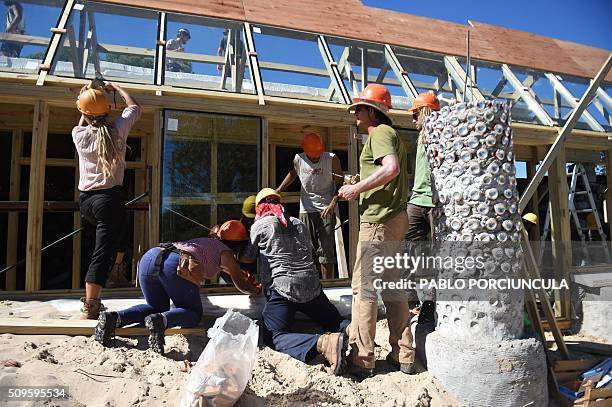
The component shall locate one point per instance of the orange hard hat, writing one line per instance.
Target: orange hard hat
(233, 231)
(313, 145)
(92, 102)
(374, 95)
(428, 99)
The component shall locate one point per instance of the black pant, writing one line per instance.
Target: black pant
(104, 209)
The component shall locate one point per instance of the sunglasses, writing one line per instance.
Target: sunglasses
(415, 114)
(270, 200)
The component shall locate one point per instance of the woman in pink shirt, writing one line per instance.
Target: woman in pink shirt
(101, 145)
(175, 272)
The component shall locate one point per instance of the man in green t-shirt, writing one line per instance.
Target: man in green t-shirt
(421, 201)
(383, 193)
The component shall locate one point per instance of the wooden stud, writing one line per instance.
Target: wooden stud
(78, 238)
(533, 204)
(560, 228)
(13, 217)
(267, 154)
(153, 161)
(36, 196)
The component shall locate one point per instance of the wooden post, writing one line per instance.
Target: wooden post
(36, 196)
(266, 162)
(77, 239)
(140, 187)
(353, 162)
(339, 238)
(533, 204)
(560, 228)
(154, 161)
(13, 217)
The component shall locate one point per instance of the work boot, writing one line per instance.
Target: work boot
(155, 325)
(427, 313)
(91, 308)
(105, 330)
(117, 277)
(333, 347)
(407, 368)
(357, 371)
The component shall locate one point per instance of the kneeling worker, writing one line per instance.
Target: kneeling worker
(291, 284)
(175, 272)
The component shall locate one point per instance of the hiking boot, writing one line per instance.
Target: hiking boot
(407, 368)
(105, 330)
(156, 327)
(117, 277)
(333, 348)
(91, 308)
(427, 313)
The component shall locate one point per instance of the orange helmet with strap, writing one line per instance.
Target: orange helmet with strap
(424, 99)
(313, 145)
(233, 231)
(374, 95)
(92, 102)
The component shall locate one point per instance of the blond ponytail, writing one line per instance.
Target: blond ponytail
(107, 151)
(423, 113)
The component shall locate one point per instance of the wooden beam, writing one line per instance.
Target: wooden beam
(36, 196)
(353, 168)
(266, 162)
(160, 50)
(332, 69)
(560, 228)
(569, 98)
(13, 217)
(528, 96)
(400, 73)
(86, 327)
(567, 128)
(458, 75)
(55, 41)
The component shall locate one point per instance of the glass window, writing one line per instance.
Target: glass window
(206, 53)
(97, 42)
(291, 64)
(23, 48)
(210, 164)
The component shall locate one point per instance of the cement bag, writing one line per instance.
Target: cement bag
(224, 368)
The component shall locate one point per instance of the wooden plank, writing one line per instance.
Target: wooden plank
(353, 168)
(36, 196)
(574, 365)
(533, 204)
(13, 217)
(266, 162)
(22, 326)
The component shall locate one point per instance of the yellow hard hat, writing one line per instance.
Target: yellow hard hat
(590, 221)
(264, 193)
(248, 207)
(531, 217)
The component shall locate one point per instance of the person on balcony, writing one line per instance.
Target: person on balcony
(15, 24)
(178, 45)
(315, 168)
(175, 272)
(101, 146)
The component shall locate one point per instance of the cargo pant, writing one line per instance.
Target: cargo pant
(379, 239)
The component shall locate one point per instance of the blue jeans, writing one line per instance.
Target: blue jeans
(278, 316)
(159, 288)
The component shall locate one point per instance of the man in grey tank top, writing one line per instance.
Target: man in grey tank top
(315, 168)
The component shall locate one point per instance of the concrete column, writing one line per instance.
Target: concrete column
(478, 350)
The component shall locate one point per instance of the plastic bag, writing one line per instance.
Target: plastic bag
(224, 367)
